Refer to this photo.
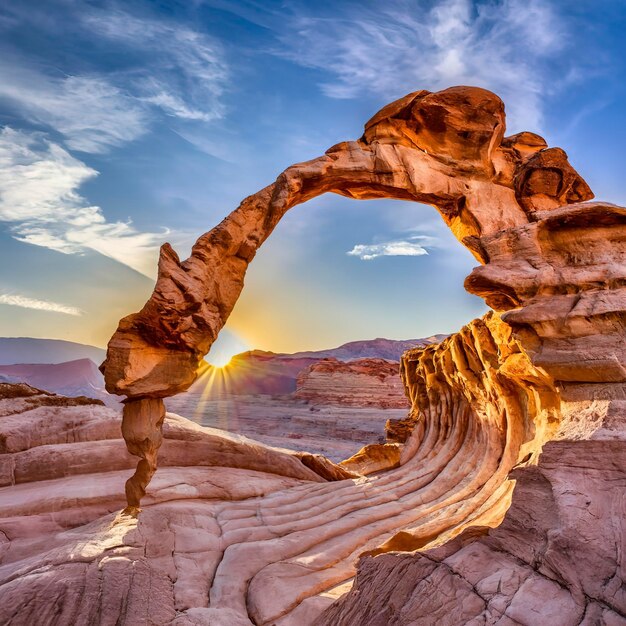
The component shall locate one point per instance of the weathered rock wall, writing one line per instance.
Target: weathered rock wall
(555, 559)
(559, 355)
(479, 397)
(361, 383)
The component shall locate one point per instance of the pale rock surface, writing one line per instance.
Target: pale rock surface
(556, 559)
(230, 530)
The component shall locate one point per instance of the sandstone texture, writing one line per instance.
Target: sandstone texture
(364, 382)
(231, 531)
(430, 521)
(556, 558)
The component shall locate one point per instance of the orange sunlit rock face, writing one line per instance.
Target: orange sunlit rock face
(446, 149)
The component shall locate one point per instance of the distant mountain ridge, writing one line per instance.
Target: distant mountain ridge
(80, 377)
(71, 368)
(264, 372)
(379, 348)
(15, 350)
(29, 350)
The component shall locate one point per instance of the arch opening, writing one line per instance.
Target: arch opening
(307, 295)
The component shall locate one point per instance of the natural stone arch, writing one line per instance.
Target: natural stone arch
(446, 149)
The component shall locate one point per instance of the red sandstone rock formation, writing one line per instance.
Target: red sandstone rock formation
(364, 382)
(447, 149)
(442, 148)
(232, 530)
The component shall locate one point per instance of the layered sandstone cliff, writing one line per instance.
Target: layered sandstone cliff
(560, 354)
(360, 383)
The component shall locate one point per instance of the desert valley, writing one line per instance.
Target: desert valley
(330, 402)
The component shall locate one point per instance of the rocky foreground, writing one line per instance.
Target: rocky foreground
(557, 558)
(234, 533)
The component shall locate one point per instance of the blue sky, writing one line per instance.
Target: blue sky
(126, 124)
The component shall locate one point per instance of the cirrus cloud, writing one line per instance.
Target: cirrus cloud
(167, 67)
(40, 305)
(39, 199)
(187, 75)
(513, 47)
(91, 114)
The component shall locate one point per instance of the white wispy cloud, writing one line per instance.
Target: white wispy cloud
(39, 305)
(412, 246)
(39, 198)
(169, 67)
(187, 73)
(390, 49)
(92, 114)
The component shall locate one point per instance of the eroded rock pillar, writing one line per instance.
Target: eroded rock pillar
(142, 429)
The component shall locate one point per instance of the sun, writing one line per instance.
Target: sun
(225, 348)
(220, 360)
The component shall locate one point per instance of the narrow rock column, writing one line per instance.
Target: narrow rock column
(142, 429)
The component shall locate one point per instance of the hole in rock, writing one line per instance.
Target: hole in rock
(386, 274)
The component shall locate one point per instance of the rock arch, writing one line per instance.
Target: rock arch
(511, 200)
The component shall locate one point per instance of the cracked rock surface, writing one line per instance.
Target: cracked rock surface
(557, 558)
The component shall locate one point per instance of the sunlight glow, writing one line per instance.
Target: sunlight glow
(221, 360)
(225, 348)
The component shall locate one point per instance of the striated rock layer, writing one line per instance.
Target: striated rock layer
(265, 537)
(556, 559)
(364, 382)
